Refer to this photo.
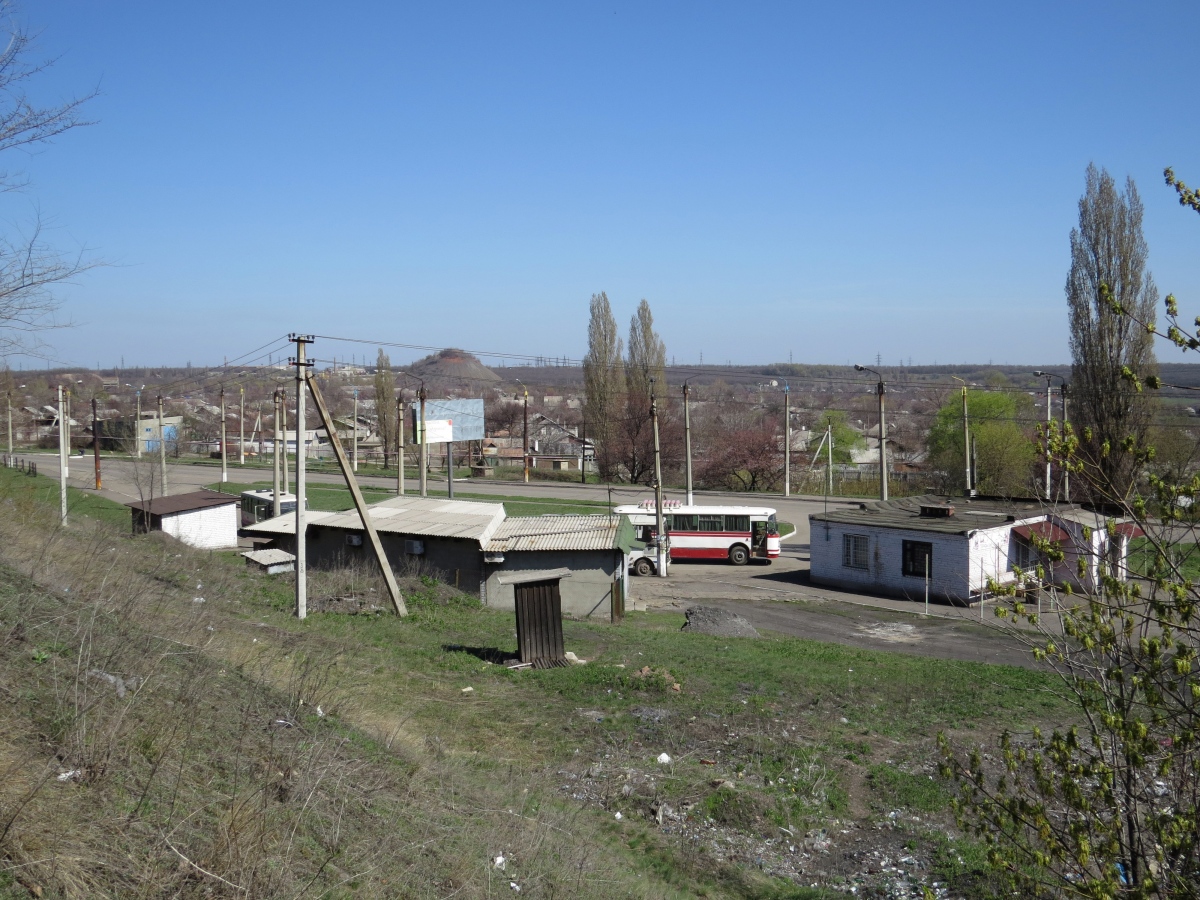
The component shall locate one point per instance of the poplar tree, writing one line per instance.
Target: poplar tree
(646, 360)
(602, 376)
(1109, 292)
(385, 389)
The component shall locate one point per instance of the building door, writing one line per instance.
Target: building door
(539, 623)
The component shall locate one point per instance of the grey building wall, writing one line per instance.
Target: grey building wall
(456, 560)
(587, 592)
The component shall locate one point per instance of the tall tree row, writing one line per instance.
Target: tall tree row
(1109, 292)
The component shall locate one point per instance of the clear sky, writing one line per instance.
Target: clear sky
(830, 181)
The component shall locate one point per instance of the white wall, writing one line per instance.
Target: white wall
(211, 528)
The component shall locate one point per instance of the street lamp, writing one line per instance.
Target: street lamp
(969, 489)
(883, 479)
(1066, 484)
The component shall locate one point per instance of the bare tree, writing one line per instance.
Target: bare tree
(1108, 292)
(29, 266)
(602, 382)
(385, 401)
(645, 364)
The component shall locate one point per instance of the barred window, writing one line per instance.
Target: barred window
(854, 551)
(916, 556)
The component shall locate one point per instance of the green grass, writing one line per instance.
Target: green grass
(1184, 559)
(897, 788)
(40, 489)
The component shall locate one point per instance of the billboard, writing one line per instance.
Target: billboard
(448, 420)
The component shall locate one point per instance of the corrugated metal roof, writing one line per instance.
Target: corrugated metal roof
(426, 516)
(556, 533)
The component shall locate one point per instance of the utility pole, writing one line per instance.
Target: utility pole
(241, 425)
(1049, 413)
(275, 510)
(283, 412)
(968, 484)
(829, 450)
(400, 410)
(687, 440)
(354, 446)
(224, 470)
(663, 541)
(1066, 484)
(95, 441)
(525, 438)
(162, 451)
(423, 450)
(301, 513)
(62, 458)
(883, 475)
(137, 426)
(10, 443)
(450, 469)
(787, 440)
(65, 423)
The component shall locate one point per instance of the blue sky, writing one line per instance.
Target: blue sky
(829, 181)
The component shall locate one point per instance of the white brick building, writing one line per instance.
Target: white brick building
(204, 519)
(885, 548)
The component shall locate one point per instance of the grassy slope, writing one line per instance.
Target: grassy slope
(44, 490)
(476, 773)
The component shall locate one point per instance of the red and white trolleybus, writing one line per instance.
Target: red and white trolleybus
(735, 533)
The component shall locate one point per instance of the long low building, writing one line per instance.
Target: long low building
(474, 546)
(894, 547)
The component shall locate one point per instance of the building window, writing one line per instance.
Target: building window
(854, 551)
(1024, 555)
(918, 555)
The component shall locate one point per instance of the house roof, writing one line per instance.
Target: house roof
(602, 532)
(427, 516)
(1046, 530)
(905, 513)
(178, 503)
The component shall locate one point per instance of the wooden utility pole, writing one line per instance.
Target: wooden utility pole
(400, 444)
(241, 425)
(224, 470)
(301, 513)
(162, 451)
(96, 440)
(423, 446)
(360, 504)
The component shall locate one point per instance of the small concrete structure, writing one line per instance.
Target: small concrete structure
(272, 562)
(593, 550)
(204, 519)
(887, 547)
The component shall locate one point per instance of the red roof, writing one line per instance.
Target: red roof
(1129, 530)
(1045, 530)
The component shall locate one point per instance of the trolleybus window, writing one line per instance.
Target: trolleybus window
(737, 523)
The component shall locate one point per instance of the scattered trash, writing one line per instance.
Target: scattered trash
(499, 862)
(664, 758)
(320, 713)
(618, 817)
(73, 775)
(197, 599)
(708, 762)
(723, 784)
(133, 682)
(574, 660)
(468, 690)
(845, 721)
(516, 887)
(284, 722)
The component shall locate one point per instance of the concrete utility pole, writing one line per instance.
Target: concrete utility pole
(65, 422)
(224, 470)
(283, 413)
(241, 425)
(969, 484)
(162, 451)
(787, 440)
(424, 459)
(883, 475)
(525, 438)
(62, 458)
(96, 440)
(10, 443)
(275, 510)
(663, 540)
(829, 450)
(1066, 467)
(301, 512)
(687, 440)
(1049, 416)
(137, 429)
(400, 411)
(354, 446)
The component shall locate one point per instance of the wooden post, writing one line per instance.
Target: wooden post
(359, 503)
